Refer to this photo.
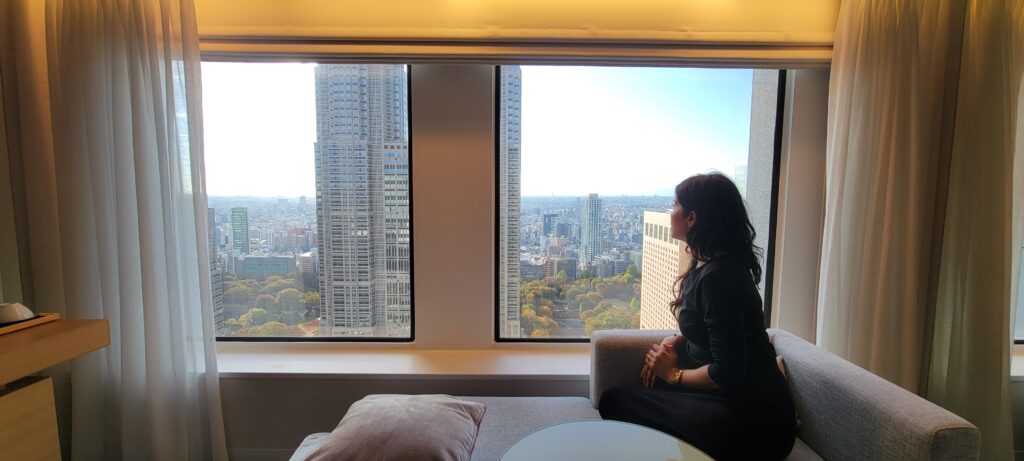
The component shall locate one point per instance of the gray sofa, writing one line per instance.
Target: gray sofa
(845, 411)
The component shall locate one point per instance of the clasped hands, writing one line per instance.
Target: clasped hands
(660, 361)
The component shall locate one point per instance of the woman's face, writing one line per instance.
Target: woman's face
(681, 222)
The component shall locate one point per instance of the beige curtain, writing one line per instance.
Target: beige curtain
(970, 350)
(102, 98)
(923, 208)
(1018, 165)
(889, 75)
(26, 107)
(29, 142)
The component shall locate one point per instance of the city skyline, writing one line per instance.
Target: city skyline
(686, 120)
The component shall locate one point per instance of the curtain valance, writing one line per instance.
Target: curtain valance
(711, 32)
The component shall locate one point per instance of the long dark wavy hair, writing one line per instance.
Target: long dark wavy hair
(722, 228)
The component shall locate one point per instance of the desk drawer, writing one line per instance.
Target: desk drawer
(28, 421)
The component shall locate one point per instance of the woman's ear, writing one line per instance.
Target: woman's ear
(691, 218)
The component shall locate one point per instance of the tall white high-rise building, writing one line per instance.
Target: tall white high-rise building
(509, 200)
(590, 229)
(362, 199)
(664, 259)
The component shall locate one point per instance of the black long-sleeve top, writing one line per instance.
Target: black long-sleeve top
(723, 325)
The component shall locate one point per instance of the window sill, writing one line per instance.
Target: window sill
(235, 360)
(373, 361)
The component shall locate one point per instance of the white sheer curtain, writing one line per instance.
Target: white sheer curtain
(116, 215)
(922, 217)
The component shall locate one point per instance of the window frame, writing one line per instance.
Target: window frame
(769, 252)
(257, 58)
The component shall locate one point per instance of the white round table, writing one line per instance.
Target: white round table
(600, 440)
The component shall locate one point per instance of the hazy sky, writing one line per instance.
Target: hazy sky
(611, 131)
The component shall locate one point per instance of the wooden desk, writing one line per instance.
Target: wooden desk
(40, 347)
(28, 419)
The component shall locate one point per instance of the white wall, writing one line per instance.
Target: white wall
(801, 203)
(453, 187)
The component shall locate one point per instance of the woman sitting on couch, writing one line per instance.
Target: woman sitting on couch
(716, 385)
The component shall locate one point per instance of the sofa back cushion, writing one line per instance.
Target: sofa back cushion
(850, 413)
(420, 427)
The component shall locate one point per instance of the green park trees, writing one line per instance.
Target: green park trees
(276, 306)
(600, 303)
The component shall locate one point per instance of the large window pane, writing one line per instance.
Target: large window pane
(588, 162)
(307, 173)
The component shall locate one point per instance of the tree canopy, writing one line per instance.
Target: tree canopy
(600, 303)
(277, 299)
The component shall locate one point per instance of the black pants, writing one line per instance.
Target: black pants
(710, 422)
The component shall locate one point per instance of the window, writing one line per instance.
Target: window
(587, 162)
(307, 173)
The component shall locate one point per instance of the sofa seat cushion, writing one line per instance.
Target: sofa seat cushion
(509, 419)
(505, 422)
(802, 452)
(308, 446)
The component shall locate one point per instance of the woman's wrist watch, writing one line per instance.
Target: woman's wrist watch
(675, 376)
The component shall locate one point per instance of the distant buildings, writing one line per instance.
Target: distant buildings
(295, 240)
(590, 229)
(603, 267)
(563, 229)
(556, 246)
(568, 265)
(216, 271)
(664, 259)
(607, 267)
(261, 267)
(510, 92)
(240, 229)
(309, 272)
(531, 270)
(550, 221)
(362, 199)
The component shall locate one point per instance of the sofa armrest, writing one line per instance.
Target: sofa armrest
(851, 413)
(616, 357)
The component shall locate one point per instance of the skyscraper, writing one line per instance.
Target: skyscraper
(216, 271)
(509, 199)
(240, 229)
(362, 199)
(550, 220)
(664, 260)
(590, 229)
